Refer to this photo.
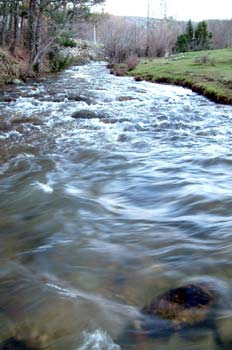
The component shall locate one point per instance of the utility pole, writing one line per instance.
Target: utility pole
(136, 30)
(148, 29)
(94, 34)
(164, 7)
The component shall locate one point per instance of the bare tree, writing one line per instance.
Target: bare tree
(222, 33)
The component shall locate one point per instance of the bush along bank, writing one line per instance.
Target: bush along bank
(208, 73)
(80, 53)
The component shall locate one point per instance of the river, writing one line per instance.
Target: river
(102, 212)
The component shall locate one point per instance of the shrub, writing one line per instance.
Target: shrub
(204, 60)
(120, 69)
(69, 43)
(66, 40)
(132, 62)
(58, 62)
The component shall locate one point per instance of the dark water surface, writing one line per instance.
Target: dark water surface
(100, 215)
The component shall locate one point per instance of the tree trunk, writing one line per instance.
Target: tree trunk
(4, 24)
(71, 21)
(38, 38)
(65, 8)
(11, 21)
(32, 31)
(16, 27)
(21, 26)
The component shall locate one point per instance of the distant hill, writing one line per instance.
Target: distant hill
(141, 21)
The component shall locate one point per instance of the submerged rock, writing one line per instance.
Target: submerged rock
(183, 306)
(186, 307)
(16, 82)
(78, 98)
(24, 120)
(15, 344)
(87, 114)
(9, 99)
(115, 120)
(125, 98)
(4, 126)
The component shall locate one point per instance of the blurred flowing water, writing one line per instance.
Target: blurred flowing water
(101, 213)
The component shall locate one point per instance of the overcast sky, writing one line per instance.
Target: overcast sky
(179, 9)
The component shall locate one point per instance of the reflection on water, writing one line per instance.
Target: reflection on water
(100, 215)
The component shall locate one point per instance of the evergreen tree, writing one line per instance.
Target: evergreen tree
(190, 34)
(182, 43)
(194, 39)
(203, 38)
(190, 30)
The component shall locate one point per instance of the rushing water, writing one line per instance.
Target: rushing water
(99, 215)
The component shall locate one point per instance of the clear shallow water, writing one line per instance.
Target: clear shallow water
(100, 215)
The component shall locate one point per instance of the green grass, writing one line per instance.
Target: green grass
(206, 72)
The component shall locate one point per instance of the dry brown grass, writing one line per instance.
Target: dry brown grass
(12, 67)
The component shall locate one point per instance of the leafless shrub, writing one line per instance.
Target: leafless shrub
(132, 61)
(205, 60)
(120, 71)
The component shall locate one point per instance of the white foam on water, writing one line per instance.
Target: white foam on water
(73, 191)
(3, 137)
(98, 340)
(12, 133)
(44, 187)
(81, 75)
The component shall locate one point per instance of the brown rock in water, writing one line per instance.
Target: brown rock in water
(4, 126)
(179, 308)
(26, 120)
(138, 78)
(9, 99)
(87, 100)
(87, 114)
(115, 120)
(125, 98)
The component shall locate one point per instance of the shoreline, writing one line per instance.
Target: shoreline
(211, 95)
(208, 73)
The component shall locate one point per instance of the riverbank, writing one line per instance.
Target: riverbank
(11, 67)
(208, 73)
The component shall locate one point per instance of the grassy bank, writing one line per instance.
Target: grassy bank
(206, 72)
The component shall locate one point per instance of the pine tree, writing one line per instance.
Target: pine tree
(182, 44)
(194, 39)
(190, 30)
(203, 38)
